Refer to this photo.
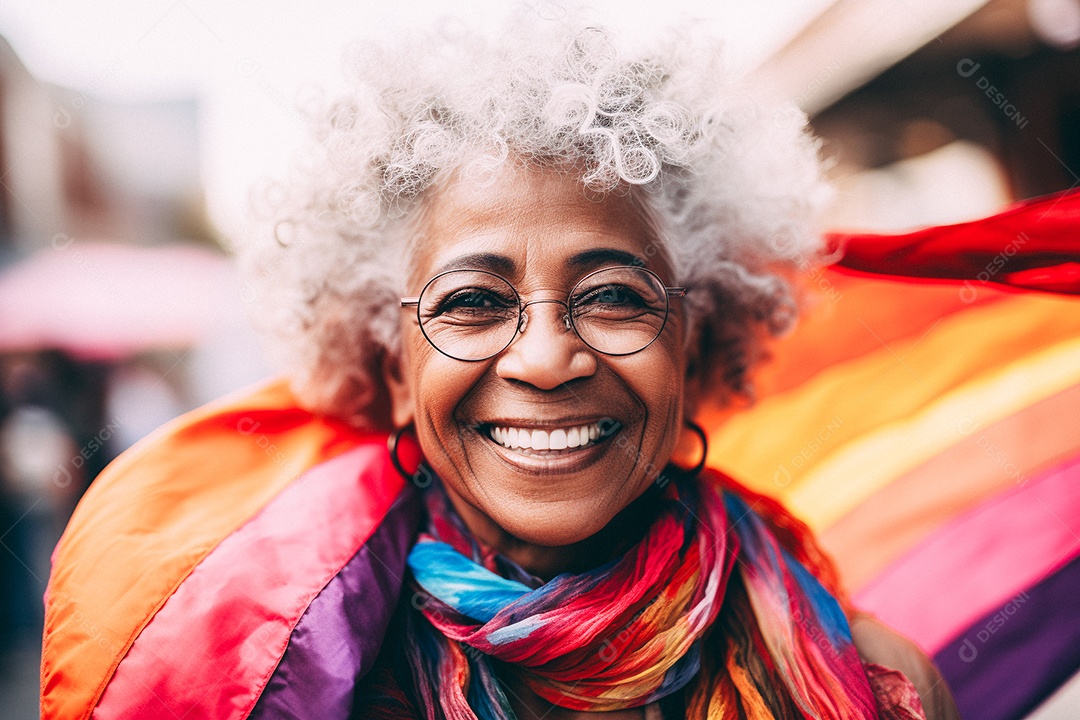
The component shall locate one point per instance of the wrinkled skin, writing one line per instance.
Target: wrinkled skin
(550, 511)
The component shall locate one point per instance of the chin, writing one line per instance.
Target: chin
(550, 529)
(556, 524)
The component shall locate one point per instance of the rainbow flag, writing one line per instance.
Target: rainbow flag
(925, 421)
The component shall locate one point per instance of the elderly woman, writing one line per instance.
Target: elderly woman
(504, 280)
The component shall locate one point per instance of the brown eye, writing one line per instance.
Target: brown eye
(473, 298)
(614, 296)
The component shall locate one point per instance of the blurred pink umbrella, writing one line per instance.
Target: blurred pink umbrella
(107, 300)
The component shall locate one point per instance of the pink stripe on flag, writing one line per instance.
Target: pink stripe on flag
(212, 647)
(981, 559)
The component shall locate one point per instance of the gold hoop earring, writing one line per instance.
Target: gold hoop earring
(700, 432)
(422, 477)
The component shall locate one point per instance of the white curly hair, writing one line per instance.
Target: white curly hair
(733, 182)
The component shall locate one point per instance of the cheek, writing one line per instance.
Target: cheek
(665, 402)
(440, 385)
(657, 377)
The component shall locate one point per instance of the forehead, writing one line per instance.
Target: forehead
(529, 223)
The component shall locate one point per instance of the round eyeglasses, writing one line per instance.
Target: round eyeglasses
(473, 315)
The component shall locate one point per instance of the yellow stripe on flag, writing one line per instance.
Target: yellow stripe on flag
(863, 467)
(826, 445)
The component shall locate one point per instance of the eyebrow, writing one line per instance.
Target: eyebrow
(491, 262)
(604, 256)
(502, 265)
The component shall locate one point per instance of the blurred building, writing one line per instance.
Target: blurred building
(82, 167)
(77, 173)
(94, 191)
(938, 112)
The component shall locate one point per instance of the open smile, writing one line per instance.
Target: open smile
(555, 439)
(551, 443)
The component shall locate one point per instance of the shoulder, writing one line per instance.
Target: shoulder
(168, 532)
(878, 644)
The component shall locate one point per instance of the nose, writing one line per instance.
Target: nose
(547, 352)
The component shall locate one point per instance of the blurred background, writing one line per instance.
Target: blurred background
(131, 132)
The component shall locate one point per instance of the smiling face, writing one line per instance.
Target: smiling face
(548, 440)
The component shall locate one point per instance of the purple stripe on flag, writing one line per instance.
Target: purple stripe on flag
(1015, 656)
(339, 635)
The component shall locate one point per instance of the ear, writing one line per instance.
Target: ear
(399, 387)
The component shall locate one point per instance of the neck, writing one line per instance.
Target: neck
(545, 561)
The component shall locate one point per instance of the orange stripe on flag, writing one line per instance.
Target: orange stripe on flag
(830, 443)
(161, 508)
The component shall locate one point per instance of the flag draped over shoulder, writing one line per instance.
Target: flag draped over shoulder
(925, 420)
(202, 565)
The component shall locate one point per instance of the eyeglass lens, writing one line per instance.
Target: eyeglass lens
(473, 315)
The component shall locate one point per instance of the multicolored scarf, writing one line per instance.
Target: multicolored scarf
(668, 619)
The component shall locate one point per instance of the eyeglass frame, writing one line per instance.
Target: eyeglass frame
(669, 292)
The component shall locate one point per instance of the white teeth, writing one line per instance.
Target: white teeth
(556, 439)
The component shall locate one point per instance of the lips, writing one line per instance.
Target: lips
(555, 437)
